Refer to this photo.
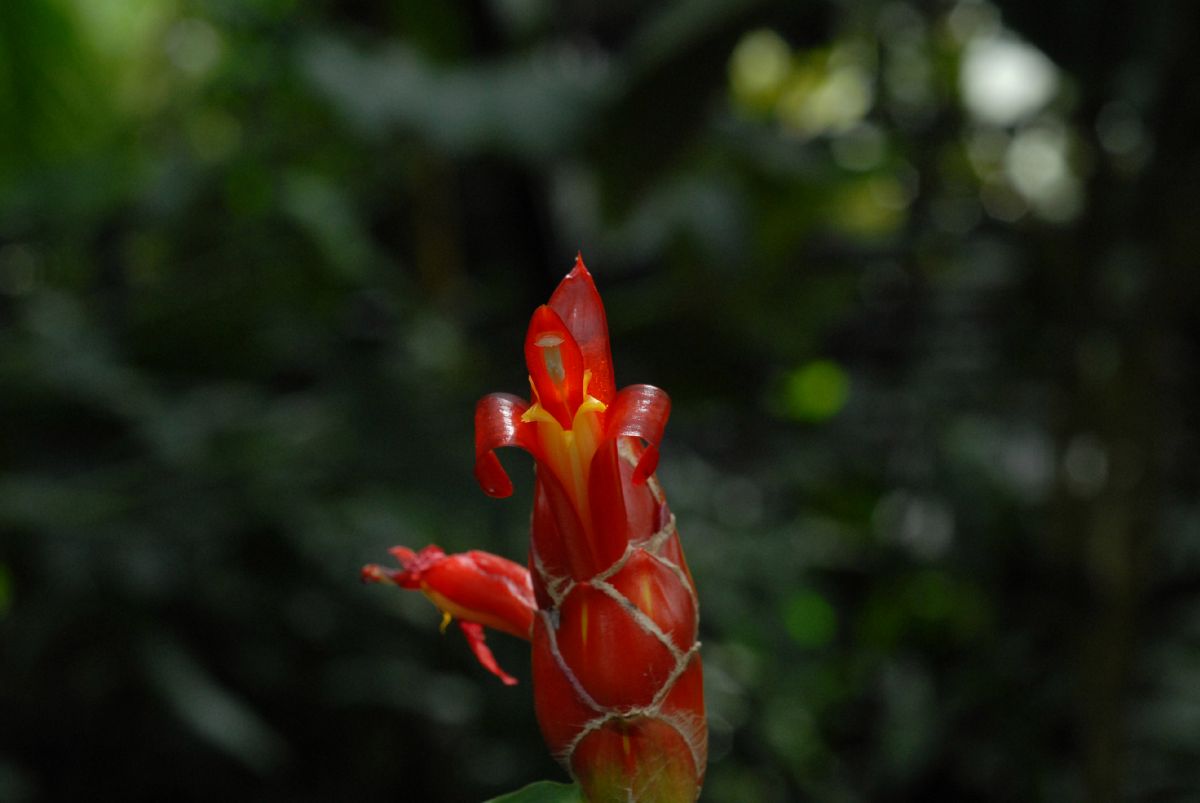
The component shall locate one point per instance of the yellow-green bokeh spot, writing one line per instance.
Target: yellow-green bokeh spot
(871, 207)
(758, 69)
(810, 619)
(815, 391)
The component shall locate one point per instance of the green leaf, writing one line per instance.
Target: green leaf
(543, 792)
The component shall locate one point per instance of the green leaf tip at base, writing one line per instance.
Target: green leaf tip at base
(543, 792)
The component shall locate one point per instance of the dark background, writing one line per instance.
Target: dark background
(919, 277)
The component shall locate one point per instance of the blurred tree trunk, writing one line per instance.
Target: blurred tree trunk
(1125, 289)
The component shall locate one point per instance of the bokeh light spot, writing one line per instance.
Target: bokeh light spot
(1036, 165)
(816, 390)
(1004, 81)
(810, 620)
(759, 66)
(817, 102)
(874, 206)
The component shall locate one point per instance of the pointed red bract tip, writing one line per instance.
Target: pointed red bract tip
(578, 304)
(475, 640)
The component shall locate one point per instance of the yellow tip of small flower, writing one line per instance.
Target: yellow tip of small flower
(446, 620)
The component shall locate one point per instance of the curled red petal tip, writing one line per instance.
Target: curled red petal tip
(498, 424)
(646, 465)
(641, 411)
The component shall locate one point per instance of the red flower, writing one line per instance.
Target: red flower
(616, 664)
(478, 587)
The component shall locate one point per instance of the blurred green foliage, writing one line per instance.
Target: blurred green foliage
(919, 277)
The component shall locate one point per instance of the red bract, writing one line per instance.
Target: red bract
(616, 665)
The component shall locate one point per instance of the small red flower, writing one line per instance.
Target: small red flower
(480, 588)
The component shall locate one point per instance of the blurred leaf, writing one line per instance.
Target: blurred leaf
(543, 792)
(534, 106)
(45, 503)
(211, 711)
(49, 85)
(322, 209)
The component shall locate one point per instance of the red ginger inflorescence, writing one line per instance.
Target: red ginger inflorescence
(608, 601)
